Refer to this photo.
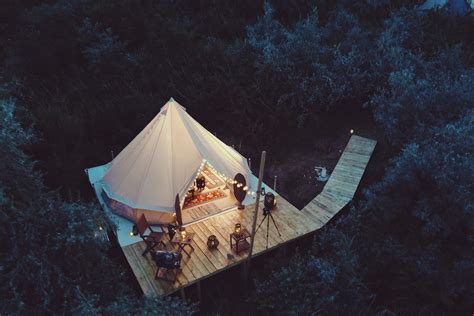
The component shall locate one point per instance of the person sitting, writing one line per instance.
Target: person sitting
(170, 261)
(200, 183)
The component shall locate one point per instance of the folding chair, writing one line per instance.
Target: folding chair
(152, 239)
(168, 261)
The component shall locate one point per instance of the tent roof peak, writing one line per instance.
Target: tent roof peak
(173, 103)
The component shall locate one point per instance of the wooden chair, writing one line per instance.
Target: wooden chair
(152, 239)
(168, 264)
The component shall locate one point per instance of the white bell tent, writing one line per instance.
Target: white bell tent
(162, 161)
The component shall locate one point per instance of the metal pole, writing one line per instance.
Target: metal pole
(112, 154)
(250, 163)
(275, 183)
(257, 202)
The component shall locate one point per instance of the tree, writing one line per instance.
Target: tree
(323, 281)
(310, 68)
(417, 93)
(418, 220)
(51, 260)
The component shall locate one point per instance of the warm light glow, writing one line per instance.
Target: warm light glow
(183, 234)
(352, 131)
(100, 228)
(220, 174)
(238, 228)
(131, 233)
(245, 188)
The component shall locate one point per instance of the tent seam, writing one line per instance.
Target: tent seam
(151, 160)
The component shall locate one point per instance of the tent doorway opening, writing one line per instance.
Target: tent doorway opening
(208, 195)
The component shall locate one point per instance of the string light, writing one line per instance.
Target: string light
(205, 163)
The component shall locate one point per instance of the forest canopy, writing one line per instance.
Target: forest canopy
(80, 78)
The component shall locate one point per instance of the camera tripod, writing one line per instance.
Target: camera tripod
(267, 214)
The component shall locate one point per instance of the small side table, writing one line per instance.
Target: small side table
(240, 240)
(182, 243)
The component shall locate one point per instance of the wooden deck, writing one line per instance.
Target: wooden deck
(343, 182)
(293, 223)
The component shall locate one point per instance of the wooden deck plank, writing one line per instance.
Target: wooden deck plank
(201, 243)
(223, 229)
(220, 254)
(292, 223)
(242, 218)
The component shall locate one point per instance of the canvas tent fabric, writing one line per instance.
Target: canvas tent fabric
(163, 160)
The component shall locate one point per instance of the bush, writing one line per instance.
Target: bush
(51, 259)
(311, 283)
(418, 92)
(418, 220)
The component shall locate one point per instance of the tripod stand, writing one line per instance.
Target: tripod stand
(267, 214)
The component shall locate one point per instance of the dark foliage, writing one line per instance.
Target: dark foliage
(88, 75)
(411, 236)
(51, 259)
(423, 232)
(312, 284)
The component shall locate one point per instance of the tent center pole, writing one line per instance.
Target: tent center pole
(254, 223)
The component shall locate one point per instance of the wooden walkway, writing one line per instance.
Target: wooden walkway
(292, 223)
(343, 182)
